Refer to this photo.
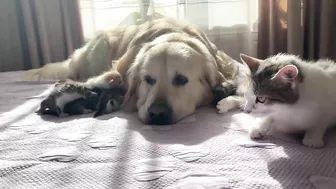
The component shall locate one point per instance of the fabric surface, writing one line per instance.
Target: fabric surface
(206, 150)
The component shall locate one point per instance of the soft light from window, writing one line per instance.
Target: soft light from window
(107, 14)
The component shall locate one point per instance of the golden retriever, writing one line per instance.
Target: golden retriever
(169, 67)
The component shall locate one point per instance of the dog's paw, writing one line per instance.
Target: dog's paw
(98, 82)
(225, 105)
(106, 80)
(114, 79)
(116, 82)
(312, 142)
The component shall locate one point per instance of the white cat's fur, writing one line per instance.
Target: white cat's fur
(313, 113)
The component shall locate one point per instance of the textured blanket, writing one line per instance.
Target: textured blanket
(205, 150)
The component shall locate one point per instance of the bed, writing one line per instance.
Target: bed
(205, 150)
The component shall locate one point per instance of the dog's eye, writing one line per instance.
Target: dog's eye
(180, 80)
(150, 80)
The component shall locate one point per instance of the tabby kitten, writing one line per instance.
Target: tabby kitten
(110, 100)
(68, 97)
(75, 98)
(300, 96)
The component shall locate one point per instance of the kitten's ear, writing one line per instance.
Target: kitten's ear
(287, 74)
(253, 63)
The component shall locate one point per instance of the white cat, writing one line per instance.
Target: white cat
(301, 96)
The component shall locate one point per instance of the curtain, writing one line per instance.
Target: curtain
(230, 24)
(301, 27)
(36, 32)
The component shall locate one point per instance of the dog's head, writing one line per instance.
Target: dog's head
(169, 78)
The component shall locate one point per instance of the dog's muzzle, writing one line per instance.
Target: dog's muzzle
(159, 113)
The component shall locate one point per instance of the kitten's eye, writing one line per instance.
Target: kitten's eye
(150, 80)
(180, 80)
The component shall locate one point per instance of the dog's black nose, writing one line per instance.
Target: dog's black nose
(160, 113)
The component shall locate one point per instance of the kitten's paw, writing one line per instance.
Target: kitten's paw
(225, 105)
(312, 142)
(261, 129)
(257, 133)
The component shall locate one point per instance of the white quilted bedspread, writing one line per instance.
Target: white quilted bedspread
(206, 150)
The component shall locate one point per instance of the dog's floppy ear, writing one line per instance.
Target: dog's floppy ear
(219, 70)
(133, 82)
(211, 74)
(130, 70)
(126, 61)
(220, 74)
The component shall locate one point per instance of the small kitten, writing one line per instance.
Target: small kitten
(110, 86)
(81, 105)
(110, 100)
(300, 96)
(74, 98)
(62, 96)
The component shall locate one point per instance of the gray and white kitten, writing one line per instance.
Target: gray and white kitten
(75, 98)
(300, 96)
(69, 97)
(110, 100)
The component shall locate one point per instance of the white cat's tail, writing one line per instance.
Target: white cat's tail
(51, 71)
